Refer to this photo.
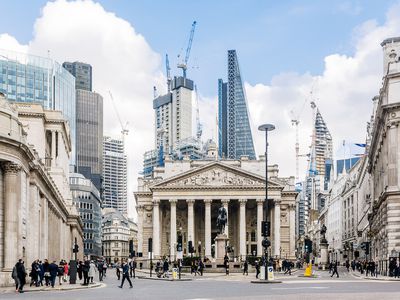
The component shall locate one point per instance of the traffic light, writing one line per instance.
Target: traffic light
(308, 246)
(190, 244)
(265, 229)
(150, 245)
(366, 248)
(179, 244)
(76, 248)
(131, 247)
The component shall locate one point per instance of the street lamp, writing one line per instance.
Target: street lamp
(266, 242)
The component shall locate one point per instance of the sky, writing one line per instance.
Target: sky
(290, 53)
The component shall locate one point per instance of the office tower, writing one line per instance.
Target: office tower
(34, 79)
(173, 125)
(89, 136)
(173, 114)
(235, 138)
(82, 73)
(86, 198)
(114, 174)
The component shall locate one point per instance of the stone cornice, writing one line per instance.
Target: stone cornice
(227, 188)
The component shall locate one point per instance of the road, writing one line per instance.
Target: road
(233, 287)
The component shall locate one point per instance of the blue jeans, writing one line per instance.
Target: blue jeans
(53, 280)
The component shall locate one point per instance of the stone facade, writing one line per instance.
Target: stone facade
(116, 235)
(384, 161)
(185, 196)
(37, 218)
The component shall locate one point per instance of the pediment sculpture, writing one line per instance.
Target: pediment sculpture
(215, 177)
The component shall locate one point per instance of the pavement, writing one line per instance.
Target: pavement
(63, 287)
(232, 287)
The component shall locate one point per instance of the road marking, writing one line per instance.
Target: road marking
(302, 288)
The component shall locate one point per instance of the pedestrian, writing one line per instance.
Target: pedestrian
(80, 269)
(125, 275)
(226, 264)
(35, 273)
(104, 268)
(53, 270)
(348, 265)
(245, 267)
(132, 268)
(85, 271)
(66, 271)
(100, 265)
(334, 268)
(21, 274)
(288, 268)
(257, 265)
(118, 271)
(41, 273)
(165, 268)
(46, 272)
(92, 271)
(60, 271)
(14, 276)
(201, 267)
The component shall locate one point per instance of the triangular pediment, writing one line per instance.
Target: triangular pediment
(215, 174)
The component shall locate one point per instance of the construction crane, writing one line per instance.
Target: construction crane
(124, 129)
(183, 65)
(199, 126)
(295, 119)
(168, 69)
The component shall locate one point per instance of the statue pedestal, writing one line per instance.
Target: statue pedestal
(221, 241)
(323, 246)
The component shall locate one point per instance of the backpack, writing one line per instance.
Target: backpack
(14, 274)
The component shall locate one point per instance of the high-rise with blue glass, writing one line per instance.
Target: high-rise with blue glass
(234, 131)
(34, 79)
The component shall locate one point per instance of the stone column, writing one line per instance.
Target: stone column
(242, 228)
(292, 230)
(172, 241)
(277, 227)
(156, 228)
(190, 237)
(260, 203)
(11, 214)
(53, 148)
(44, 240)
(225, 203)
(140, 228)
(207, 227)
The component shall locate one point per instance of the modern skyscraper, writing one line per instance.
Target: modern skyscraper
(320, 165)
(115, 175)
(82, 73)
(89, 136)
(87, 200)
(173, 114)
(235, 138)
(173, 124)
(34, 79)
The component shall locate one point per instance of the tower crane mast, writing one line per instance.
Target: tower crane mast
(124, 128)
(199, 127)
(168, 72)
(183, 65)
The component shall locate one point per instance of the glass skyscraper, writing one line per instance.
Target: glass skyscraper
(34, 79)
(234, 133)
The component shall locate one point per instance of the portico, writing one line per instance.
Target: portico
(188, 203)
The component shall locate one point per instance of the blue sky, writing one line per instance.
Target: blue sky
(270, 36)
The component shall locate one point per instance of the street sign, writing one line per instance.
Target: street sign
(179, 255)
(271, 273)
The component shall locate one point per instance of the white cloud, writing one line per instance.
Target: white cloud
(343, 94)
(122, 61)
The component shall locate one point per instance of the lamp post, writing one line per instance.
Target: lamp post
(266, 243)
